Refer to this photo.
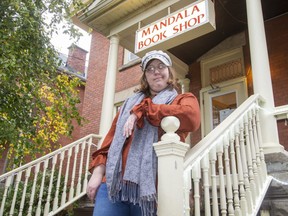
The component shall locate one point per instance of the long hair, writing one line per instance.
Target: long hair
(144, 86)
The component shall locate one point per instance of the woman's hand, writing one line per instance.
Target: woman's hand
(95, 181)
(129, 125)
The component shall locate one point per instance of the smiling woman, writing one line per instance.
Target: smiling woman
(124, 169)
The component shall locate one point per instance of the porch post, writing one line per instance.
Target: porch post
(109, 89)
(170, 152)
(261, 75)
(185, 85)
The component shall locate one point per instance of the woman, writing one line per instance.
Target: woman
(124, 169)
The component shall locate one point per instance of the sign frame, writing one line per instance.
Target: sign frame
(158, 33)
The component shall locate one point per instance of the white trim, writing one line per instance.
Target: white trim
(123, 95)
(281, 112)
(227, 56)
(129, 56)
(221, 85)
(220, 94)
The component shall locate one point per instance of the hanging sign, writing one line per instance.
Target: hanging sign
(199, 17)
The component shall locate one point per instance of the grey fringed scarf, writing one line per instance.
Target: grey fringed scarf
(138, 183)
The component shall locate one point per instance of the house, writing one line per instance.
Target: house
(227, 53)
(245, 54)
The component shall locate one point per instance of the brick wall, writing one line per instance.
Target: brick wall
(94, 88)
(129, 77)
(195, 87)
(77, 58)
(277, 42)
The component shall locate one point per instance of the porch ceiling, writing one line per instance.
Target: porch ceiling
(110, 16)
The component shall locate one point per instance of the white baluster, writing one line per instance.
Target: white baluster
(257, 149)
(56, 199)
(187, 192)
(262, 158)
(245, 168)
(87, 165)
(7, 185)
(79, 184)
(253, 154)
(33, 189)
(27, 175)
(12, 208)
(206, 185)
(196, 176)
(64, 193)
(228, 175)
(47, 205)
(38, 211)
(213, 159)
(72, 186)
(223, 207)
(249, 160)
(235, 183)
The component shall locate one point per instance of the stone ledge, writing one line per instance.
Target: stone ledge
(276, 198)
(277, 162)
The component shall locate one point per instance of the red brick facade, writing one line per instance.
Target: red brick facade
(277, 41)
(95, 84)
(77, 58)
(195, 87)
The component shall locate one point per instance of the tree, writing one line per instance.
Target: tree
(37, 102)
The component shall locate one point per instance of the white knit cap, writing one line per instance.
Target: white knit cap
(155, 54)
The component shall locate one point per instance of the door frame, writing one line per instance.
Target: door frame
(216, 90)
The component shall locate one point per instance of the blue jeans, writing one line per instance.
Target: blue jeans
(104, 207)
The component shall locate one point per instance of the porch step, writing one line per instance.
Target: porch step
(84, 207)
(276, 198)
(87, 211)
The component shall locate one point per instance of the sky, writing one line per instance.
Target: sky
(61, 42)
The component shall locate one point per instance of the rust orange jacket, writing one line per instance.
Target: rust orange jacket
(185, 107)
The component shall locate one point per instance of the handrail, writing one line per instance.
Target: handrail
(204, 145)
(49, 184)
(225, 173)
(32, 163)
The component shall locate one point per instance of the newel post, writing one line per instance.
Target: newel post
(170, 152)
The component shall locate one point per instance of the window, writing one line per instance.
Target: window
(129, 56)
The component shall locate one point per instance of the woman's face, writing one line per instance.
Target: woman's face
(157, 76)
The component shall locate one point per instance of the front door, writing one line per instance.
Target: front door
(219, 101)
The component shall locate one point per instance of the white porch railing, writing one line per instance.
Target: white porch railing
(224, 174)
(49, 184)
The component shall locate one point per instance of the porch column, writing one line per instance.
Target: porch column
(170, 152)
(261, 75)
(185, 85)
(109, 89)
